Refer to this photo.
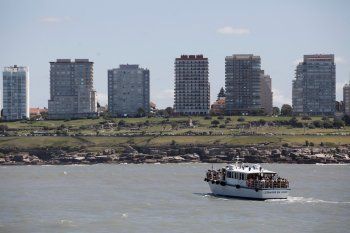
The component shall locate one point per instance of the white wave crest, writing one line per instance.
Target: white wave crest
(332, 164)
(65, 222)
(306, 200)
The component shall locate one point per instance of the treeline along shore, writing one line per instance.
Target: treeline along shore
(258, 139)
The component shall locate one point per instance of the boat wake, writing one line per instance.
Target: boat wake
(306, 200)
(210, 195)
(333, 164)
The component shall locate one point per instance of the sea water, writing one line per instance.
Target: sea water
(166, 198)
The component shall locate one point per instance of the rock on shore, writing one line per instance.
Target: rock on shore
(180, 154)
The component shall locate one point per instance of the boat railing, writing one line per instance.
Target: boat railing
(269, 184)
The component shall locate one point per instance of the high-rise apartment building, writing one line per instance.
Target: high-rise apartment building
(71, 89)
(128, 91)
(266, 95)
(346, 98)
(245, 84)
(15, 93)
(314, 85)
(192, 88)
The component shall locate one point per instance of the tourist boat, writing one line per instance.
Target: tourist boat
(247, 181)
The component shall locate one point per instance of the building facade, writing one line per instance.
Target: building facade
(128, 91)
(266, 94)
(346, 99)
(314, 86)
(192, 88)
(245, 85)
(15, 93)
(72, 94)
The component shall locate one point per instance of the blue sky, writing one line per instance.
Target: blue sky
(152, 33)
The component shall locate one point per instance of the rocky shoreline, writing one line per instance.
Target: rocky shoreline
(180, 154)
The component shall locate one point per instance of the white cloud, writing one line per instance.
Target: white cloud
(102, 98)
(163, 98)
(53, 19)
(340, 60)
(279, 99)
(233, 31)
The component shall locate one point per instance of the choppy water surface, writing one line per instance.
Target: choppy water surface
(166, 198)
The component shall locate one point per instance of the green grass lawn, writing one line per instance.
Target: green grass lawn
(165, 134)
(92, 143)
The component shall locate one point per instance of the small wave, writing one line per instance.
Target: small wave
(124, 215)
(332, 164)
(77, 165)
(306, 200)
(65, 173)
(65, 222)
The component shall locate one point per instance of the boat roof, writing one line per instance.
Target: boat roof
(248, 169)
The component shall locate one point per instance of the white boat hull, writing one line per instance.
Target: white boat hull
(244, 192)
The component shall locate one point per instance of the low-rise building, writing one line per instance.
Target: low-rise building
(218, 107)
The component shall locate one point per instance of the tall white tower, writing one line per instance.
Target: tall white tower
(15, 93)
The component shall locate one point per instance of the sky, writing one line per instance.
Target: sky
(153, 33)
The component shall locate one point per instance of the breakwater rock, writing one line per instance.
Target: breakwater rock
(180, 154)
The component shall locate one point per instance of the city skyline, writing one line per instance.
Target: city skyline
(154, 38)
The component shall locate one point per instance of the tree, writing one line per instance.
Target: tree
(318, 123)
(262, 122)
(293, 121)
(169, 111)
(140, 112)
(4, 128)
(346, 119)
(276, 111)
(121, 123)
(241, 119)
(174, 125)
(221, 93)
(215, 123)
(286, 110)
(338, 123)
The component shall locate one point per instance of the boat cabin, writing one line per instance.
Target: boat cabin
(251, 176)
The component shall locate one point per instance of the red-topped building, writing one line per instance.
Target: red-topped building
(192, 88)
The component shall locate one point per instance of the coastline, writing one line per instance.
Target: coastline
(132, 154)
